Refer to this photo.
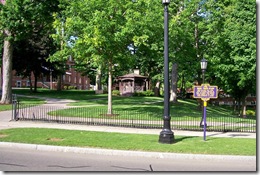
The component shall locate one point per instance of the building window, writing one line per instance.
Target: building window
(18, 83)
(28, 83)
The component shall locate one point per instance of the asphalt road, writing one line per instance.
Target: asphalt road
(17, 159)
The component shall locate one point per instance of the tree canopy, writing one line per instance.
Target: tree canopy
(115, 36)
(18, 19)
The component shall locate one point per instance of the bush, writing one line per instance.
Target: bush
(250, 113)
(137, 94)
(72, 87)
(115, 92)
(147, 93)
(91, 92)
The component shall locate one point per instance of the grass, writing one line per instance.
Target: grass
(65, 94)
(87, 99)
(148, 112)
(138, 142)
(5, 107)
(25, 100)
(184, 110)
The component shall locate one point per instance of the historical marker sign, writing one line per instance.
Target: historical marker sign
(205, 92)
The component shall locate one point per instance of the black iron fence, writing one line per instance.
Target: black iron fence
(128, 118)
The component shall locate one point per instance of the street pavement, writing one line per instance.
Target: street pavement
(6, 122)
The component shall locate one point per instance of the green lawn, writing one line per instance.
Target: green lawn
(88, 101)
(138, 142)
(25, 100)
(147, 112)
(134, 107)
(65, 94)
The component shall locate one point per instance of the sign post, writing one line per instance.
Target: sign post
(205, 92)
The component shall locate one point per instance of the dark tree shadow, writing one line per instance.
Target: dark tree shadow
(176, 140)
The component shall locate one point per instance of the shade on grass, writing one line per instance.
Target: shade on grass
(120, 141)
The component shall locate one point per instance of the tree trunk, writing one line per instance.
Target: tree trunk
(98, 79)
(59, 82)
(183, 89)
(196, 35)
(7, 72)
(234, 106)
(0, 78)
(35, 82)
(30, 81)
(36, 75)
(200, 81)
(109, 105)
(174, 80)
(157, 89)
(244, 107)
(239, 106)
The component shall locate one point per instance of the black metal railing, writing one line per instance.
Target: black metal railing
(128, 118)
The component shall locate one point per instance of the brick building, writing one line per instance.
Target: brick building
(71, 79)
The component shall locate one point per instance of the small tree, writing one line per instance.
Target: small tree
(101, 35)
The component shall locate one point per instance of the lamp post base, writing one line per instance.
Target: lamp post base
(166, 137)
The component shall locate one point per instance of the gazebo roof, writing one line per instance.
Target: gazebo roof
(132, 75)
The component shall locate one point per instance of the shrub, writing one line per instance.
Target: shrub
(90, 92)
(115, 92)
(137, 94)
(147, 93)
(250, 113)
(72, 87)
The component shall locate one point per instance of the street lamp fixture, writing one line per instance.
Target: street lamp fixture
(166, 2)
(166, 135)
(203, 65)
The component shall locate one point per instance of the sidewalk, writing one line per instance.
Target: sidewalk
(6, 123)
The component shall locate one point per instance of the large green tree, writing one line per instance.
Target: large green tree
(18, 18)
(30, 54)
(231, 43)
(101, 36)
(187, 47)
(210, 29)
(146, 22)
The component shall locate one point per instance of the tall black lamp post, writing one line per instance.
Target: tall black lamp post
(203, 66)
(166, 135)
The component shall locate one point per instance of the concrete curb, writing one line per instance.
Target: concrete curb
(98, 151)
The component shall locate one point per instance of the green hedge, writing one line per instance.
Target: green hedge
(147, 93)
(115, 92)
